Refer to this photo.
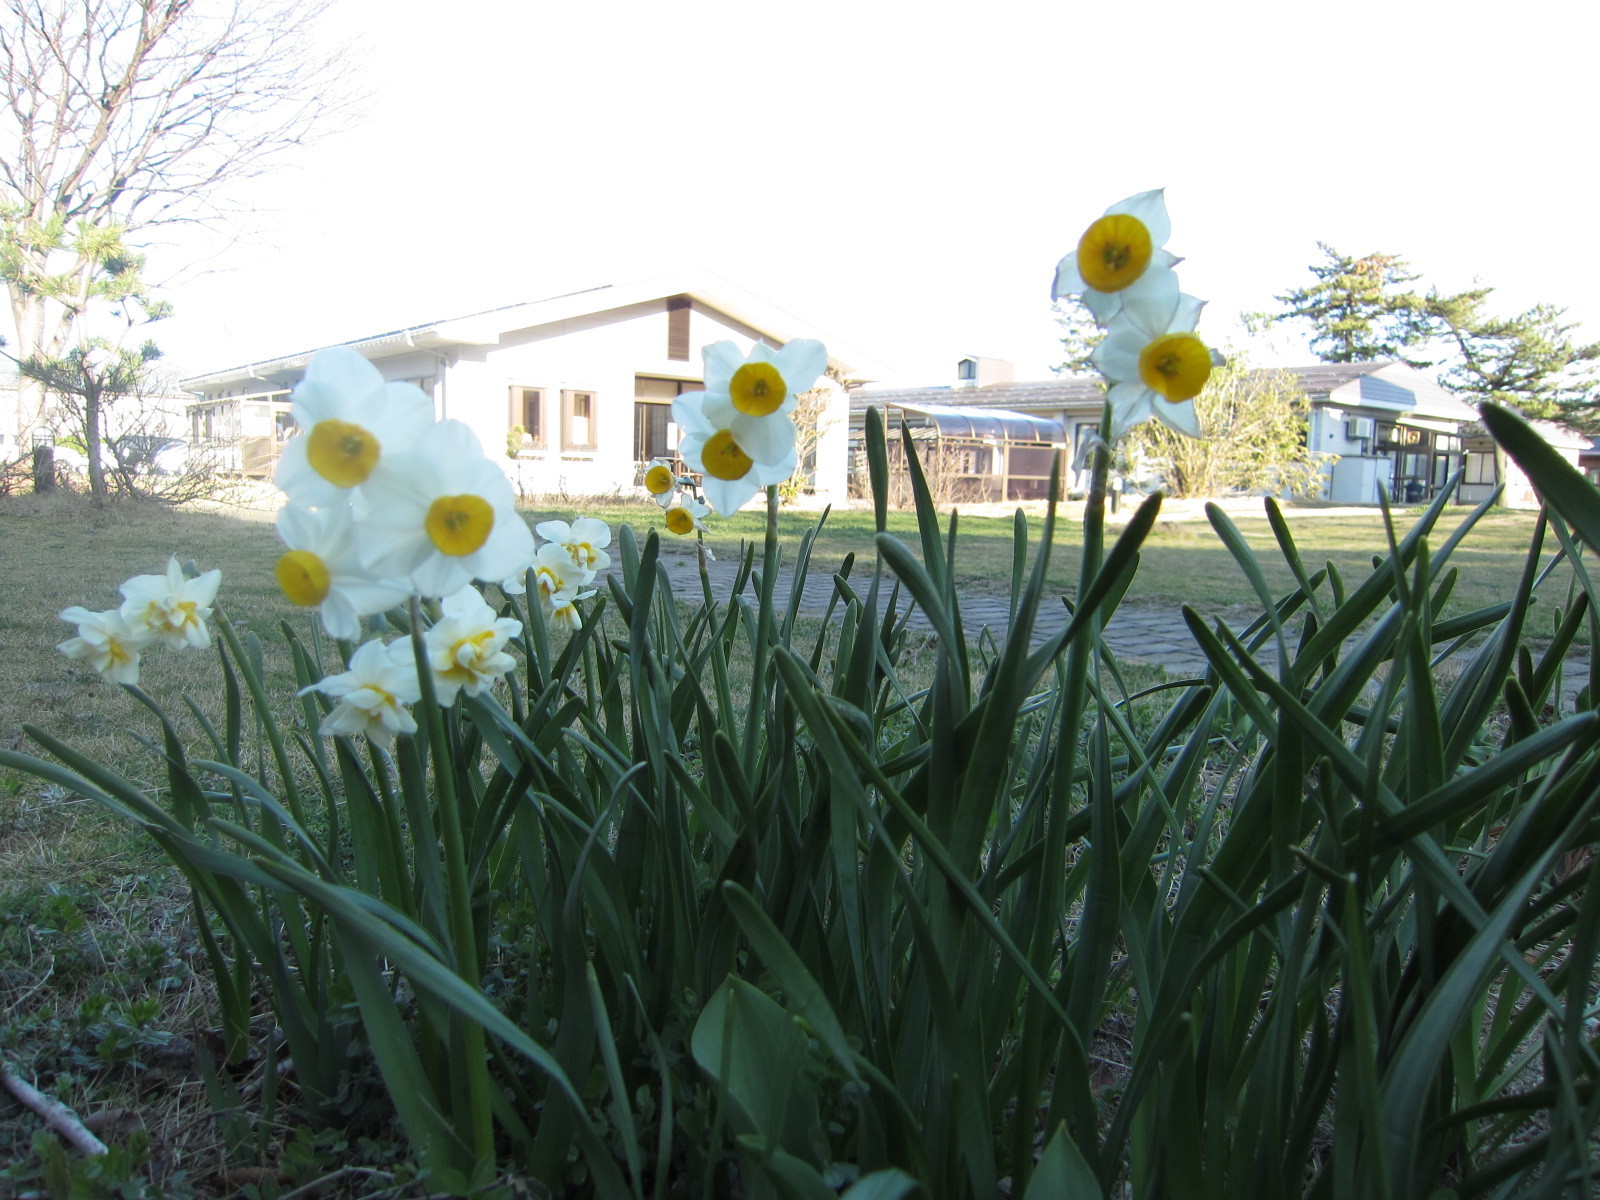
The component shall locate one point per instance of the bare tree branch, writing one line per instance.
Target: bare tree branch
(130, 115)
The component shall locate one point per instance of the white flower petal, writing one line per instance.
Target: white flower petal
(728, 496)
(1179, 416)
(1068, 282)
(1151, 208)
(721, 360)
(765, 439)
(1150, 303)
(1130, 405)
(1117, 356)
(687, 414)
(801, 362)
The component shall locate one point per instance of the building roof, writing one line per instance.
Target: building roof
(1384, 385)
(488, 327)
(986, 423)
(1065, 392)
(1381, 385)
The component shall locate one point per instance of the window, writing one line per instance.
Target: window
(967, 370)
(527, 410)
(577, 421)
(655, 434)
(1480, 467)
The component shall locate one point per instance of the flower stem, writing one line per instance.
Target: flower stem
(458, 901)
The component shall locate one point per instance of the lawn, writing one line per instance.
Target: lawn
(1183, 561)
(60, 551)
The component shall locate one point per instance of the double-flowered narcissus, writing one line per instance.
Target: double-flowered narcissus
(585, 539)
(172, 607)
(466, 646)
(374, 694)
(106, 642)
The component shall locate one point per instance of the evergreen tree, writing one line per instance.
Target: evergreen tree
(87, 380)
(1359, 309)
(1530, 360)
(1080, 334)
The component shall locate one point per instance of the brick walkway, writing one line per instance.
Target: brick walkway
(1138, 632)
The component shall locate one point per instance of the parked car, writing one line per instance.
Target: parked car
(153, 454)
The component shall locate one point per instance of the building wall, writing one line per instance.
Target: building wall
(602, 355)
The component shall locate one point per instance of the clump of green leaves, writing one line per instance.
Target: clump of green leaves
(759, 912)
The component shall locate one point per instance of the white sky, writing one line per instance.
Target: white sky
(904, 176)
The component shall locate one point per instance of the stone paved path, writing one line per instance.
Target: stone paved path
(1137, 632)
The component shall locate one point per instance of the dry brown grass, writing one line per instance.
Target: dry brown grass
(59, 551)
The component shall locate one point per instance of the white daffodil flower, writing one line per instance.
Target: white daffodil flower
(1120, 256)
(585, 539)
(107, 641)
(765, 382)
(444, 516)
(731, 472)
(466, 646)
(661, 481)
(373, 693)
(322, 570)
(564, 613)
(554, 572)
(172, 607)
(1156, 365)
(687, 516)
(351, 421)
(745, 411)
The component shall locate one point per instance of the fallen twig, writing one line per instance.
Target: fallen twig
(55, 1114)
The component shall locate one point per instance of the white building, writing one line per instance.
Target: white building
(1388, 423)
(572, 394)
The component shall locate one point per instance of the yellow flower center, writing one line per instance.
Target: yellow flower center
(1114, 252)
(466, 655)
(582, 554)
(303, 577)
(459, 525)
(117, 654)
(342, 453)
(757, 389)
(724, 458)
(566, 615)
(679, 520)
(184, 614)
(1175, 366)
(658, 480)
(549, 582)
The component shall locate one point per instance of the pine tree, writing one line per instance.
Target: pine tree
(1359, 309)
(1530, 360)
(1080, 334)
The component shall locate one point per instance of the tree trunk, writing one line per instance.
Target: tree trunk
(27, 311)
(92, 437)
